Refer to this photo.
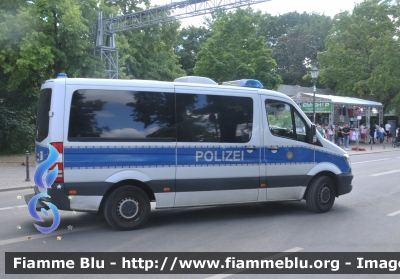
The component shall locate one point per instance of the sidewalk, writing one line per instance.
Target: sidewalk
(374, 148)
(13, 173)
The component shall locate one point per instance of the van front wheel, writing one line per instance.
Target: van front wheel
(321, 194)
(127, 208)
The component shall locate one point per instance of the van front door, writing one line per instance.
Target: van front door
(288, 155)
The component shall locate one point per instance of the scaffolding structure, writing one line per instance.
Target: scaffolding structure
(108, 52)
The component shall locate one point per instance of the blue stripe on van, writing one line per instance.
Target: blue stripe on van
(299, 155)
(92, 157)
(106, 157)
(337, 160)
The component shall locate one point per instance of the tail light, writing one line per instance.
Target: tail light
(60, 162)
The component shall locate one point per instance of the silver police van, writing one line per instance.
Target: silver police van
(125, 143)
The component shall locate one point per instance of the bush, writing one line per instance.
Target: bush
(17, 133)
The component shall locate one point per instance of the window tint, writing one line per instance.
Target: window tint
(211, 118)
(42, 121)
(111, 115)
(284, 121)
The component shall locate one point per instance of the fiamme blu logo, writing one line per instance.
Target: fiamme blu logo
(44, 179)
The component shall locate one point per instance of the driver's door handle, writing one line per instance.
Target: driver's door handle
(251, 148)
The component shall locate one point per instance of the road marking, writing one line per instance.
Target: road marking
(42, 235)
(370, 161)
(13, 207)
(274, 257)
(394, 213)
(383, 173)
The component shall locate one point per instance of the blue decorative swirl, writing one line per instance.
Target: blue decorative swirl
(51, 176)
(32, 211)
(44, 166)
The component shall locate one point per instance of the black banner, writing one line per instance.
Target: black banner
(202, 263)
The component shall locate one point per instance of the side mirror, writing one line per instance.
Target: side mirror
(312, 137)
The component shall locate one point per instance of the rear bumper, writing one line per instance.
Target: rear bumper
(57, 197)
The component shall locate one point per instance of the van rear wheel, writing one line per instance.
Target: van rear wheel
(321, 194)
(127, 208)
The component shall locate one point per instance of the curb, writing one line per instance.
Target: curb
(371, 151)
(17, 188)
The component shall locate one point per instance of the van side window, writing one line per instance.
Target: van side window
(117, 115)
(42, 121)
(284, 121)
(213, 118)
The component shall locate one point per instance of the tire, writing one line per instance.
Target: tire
(127, 208)
(321, 194)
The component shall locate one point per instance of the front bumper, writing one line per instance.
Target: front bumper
(344, 185)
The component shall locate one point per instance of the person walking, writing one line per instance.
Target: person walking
(336, 131)
(321, 131)
(372, 133)
(339, 136)
(330, 133)
(346, 135)
(387, 130)
(382, 134)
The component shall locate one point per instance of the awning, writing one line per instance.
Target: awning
(308, 97)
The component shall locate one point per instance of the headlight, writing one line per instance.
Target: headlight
(346, 157)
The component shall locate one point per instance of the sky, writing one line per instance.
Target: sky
(276, 7)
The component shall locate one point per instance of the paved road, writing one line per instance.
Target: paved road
(367, 219)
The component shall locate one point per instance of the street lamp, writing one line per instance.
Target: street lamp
(314, 75)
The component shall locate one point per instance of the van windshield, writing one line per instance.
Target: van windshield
(42, 121)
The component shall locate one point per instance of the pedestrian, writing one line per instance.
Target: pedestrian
(321, 131)
(330, 133)
(372, 133)
(337, 127)
(324, 131)
(363, 131)
(382, 134)
(339, 136)
(387, 130)
(377, 132)
(346, 135)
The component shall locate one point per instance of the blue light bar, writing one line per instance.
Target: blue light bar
(244, 83)
(250, 83)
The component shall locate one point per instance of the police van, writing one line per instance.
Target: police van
(125, 143)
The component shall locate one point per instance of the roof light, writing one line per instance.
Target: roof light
(195, 79)
(62, 75)
(244, 83)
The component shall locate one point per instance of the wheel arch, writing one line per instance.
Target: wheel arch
(329, 174)
(133, 182)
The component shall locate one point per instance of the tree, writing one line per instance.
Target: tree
(188, 46)
(149, 53)
(363, 52)
(295, 39)
(235, 52)
(39, 39)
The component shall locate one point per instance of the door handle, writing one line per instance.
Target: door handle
(251, 148)
(273, 148)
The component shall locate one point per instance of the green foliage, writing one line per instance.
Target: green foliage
(235, 52)
(148, 53)
(188, 46)
(40, 38)
(295, 39)
(284, 120)
(363, 52)
(16, 131)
